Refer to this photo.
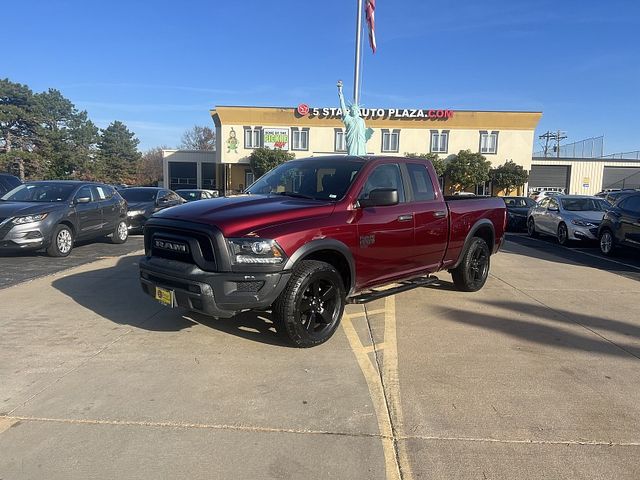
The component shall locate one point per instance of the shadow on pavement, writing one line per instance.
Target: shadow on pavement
(547, 334)
(548, 249)
(114, 294)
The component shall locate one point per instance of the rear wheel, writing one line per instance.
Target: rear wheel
(309, 309)
(531, 227)
(121, 233)
(607, 244)
(563, 235)
(61, 242)
(472, 273)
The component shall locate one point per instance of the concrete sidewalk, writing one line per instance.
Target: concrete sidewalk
(536, 376)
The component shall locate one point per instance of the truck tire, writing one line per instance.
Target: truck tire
(61, 242)
(472, 273)
(309, 309)
(120, 233)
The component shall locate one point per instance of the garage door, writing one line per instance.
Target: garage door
(621, 177)
(549, 176)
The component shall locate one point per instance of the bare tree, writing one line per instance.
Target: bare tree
(150, 167)
(199, 138)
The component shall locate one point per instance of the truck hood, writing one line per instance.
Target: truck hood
(243, 214)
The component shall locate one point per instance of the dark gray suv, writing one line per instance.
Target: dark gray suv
(54, 214)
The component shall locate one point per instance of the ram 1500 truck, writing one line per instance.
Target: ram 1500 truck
(314, 234)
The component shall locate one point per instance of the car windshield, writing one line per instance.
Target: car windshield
(315, 179)
(138, 195)
(584, 204)
(40, 192)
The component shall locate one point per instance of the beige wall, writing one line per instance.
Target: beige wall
(592, 170)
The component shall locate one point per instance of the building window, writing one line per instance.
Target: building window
(390, 140)
(252, 137)
(299, 139)
(249, 178)
(439, 141)
(484, 188)
(340, 141)
(488, 142)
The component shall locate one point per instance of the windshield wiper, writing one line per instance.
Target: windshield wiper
(295, 195)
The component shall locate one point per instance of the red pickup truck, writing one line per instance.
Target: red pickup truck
(314, 234)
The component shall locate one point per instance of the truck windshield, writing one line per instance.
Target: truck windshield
(315, 179)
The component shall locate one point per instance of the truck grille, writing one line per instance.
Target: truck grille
(199, 249)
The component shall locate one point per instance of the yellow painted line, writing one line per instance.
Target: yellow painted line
(367, 313)
(390, 377)
(7, 423)
(376, 391)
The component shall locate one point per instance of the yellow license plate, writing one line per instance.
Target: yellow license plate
(164, 296)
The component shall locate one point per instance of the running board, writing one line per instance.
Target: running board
(372, 295)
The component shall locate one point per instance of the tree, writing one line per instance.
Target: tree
(66, 137)
(19, 120)
(467, 169)
(150, 167)
(118, 153)
(199, 138)
(509, 176)
(438, 163)
(264, 159)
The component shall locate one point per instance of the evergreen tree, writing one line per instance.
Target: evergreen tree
(118, 153)
(509, 176)
(466, 169)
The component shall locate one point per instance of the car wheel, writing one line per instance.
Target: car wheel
(473, 271)
(61, 242)
(607, 245)
(563, 235)
(531, 227)
(309, 309)
(121, 233)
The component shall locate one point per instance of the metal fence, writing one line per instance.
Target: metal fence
(624, 155)
(587, 148)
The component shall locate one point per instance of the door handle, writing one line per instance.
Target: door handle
(405, 218)
(439, 213)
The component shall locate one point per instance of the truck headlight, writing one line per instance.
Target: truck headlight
(29, 219)
(255, 251)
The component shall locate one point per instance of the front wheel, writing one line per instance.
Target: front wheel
(61, 242)
(607, 243)
(309, 309)
(563, 235)
(472, 273)
(531, 227)
(121, 232)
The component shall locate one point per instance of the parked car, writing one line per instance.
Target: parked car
(613, 196)
(567, 217)
(8, 182)
(313, 234)
(145, 201)
(539, 195)
(621, 225)
(54, 214)
(197, 194)
(517, 212)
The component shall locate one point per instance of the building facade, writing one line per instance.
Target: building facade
(309, 131)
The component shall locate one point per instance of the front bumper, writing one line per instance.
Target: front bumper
(218, 294)
(30, 236)
(136, 223)
(583, 233)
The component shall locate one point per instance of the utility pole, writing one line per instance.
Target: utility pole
(559, 136)
(548, 137)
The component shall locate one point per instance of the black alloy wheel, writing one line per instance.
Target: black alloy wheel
(531, 227)
(473, 271)
(309, 309)
(563, 235)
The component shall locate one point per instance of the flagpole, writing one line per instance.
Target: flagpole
(356, 74)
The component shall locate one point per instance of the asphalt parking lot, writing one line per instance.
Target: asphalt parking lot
(535, 376)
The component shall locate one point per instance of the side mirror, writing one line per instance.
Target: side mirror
(83, 200)
(162, 201)
(552, 209)
(380, 197)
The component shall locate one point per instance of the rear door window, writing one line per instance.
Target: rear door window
(421, 182)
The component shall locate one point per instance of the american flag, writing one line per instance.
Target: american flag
(370, 10)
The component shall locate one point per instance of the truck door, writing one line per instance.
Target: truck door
(385, 249)
(430, 215)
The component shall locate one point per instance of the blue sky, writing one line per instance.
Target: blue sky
(159, 66)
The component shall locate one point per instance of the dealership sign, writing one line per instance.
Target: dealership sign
(377, 113)
(276, 138)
